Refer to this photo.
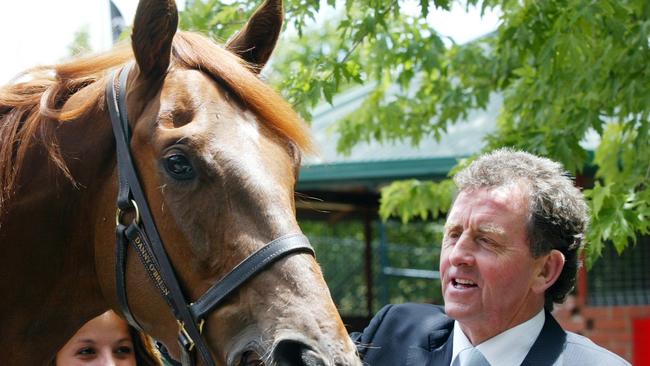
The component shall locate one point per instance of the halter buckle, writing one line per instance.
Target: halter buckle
(119, 213)
(184, 336)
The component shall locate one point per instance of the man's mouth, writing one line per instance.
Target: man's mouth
(461, 283)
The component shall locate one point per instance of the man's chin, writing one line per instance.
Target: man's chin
(459, 311)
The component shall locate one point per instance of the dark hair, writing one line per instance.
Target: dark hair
(558, 214)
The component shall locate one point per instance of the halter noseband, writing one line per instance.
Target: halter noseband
(143, 236)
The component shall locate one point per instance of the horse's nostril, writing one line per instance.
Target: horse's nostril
(251, 358)
(296, 353)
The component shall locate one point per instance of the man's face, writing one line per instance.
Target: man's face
(487, 269)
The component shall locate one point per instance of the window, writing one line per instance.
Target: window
(621, 280)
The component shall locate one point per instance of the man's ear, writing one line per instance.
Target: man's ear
(548, 270)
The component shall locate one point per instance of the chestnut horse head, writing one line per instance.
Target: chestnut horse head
(216, 153)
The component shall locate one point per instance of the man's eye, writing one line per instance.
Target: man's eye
(450, 238)
(453, 235)
(485, 240)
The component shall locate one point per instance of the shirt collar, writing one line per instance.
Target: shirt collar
(460, 342)
(507, 348)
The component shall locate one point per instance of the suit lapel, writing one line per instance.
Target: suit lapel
(549, 344)
(438, 351)
(545, 351)
(441, 354)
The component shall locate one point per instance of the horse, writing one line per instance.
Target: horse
(217, 153)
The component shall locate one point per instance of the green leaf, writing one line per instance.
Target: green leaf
(598, 195)
(416, 199)
(424, 5)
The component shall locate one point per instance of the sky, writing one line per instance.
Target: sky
(34, 32)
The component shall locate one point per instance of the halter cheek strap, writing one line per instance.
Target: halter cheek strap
(142, 235)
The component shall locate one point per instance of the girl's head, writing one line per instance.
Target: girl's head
(107, 340)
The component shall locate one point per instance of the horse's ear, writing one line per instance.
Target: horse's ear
(153, 31)
(256, 41)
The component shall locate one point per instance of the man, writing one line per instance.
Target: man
(510, 250)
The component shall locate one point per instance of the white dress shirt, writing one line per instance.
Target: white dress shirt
(505, 349)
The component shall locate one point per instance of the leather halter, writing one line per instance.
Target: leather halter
(143, 236)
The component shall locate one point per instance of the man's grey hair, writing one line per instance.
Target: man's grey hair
(558, 214)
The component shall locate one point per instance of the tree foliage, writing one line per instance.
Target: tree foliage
(565, 69)
(80, 43)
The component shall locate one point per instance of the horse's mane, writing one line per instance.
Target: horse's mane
(26, 106)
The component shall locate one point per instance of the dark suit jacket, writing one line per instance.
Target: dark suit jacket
(421, 335)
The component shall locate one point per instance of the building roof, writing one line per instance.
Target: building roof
(372, 164)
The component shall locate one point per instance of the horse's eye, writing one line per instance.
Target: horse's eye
(179, 167)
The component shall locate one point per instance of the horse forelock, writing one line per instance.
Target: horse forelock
(39, 93)
(192, 50)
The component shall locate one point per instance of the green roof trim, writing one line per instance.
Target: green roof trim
(370, 164)
(369, 172)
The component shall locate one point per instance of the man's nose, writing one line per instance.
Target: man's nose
(462, 253)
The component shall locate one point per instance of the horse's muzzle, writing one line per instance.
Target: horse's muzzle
(293, 352)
